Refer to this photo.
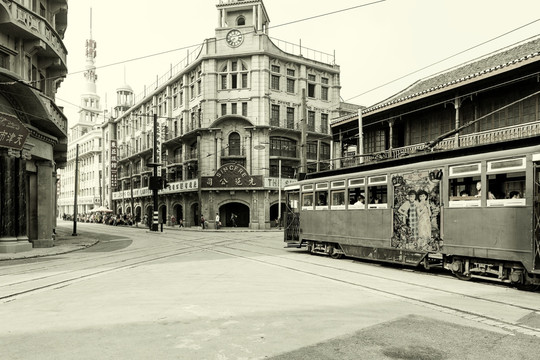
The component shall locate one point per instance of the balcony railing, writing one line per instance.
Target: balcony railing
(34, 24)
(480, 138)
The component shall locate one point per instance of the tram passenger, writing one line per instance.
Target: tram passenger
(514, 195)
(479, 189)
(360, 200)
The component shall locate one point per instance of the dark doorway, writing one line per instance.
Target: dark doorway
(241, 211)
(274, 209)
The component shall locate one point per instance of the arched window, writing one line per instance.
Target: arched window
(234, 144)
(241, 21)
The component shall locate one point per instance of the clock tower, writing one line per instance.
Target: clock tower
(240, 18)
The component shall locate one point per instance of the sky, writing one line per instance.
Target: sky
(381, 46)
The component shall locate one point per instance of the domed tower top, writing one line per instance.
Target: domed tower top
(239, 13)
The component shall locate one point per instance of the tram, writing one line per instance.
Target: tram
(473, 211)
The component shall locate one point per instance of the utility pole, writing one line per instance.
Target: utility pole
(76, 191)
(279, 195)
(303, 140)
(155, 218)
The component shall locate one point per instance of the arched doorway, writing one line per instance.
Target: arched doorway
(274, 210)
(241, 211)
(138, 212)
(195, 214)
(163, 214)
(178, 212)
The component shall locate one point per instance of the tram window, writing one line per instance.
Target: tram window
(357, 198)
(506, 189)
(464, 192)
(321, 198)
(378, 197)
(338, 199)
(292, 201)
(307, 201)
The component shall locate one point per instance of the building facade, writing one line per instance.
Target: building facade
(236, 119)
(33, 129)
(493, 99)
(85, 149)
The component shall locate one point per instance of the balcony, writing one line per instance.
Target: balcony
(21, 22)
(480, 138)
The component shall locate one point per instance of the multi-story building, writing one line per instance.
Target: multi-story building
(492, 99)
(85, 148)
(241, 116)
(33, 139)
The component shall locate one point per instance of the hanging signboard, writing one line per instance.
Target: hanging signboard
(13, 133)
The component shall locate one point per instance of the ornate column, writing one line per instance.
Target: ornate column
(44, 216)
(13, 235)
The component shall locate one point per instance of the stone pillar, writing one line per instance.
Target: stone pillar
(13, 237)
(44, 200)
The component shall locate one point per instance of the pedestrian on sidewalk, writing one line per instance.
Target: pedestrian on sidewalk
(218, 223)
(202, 222)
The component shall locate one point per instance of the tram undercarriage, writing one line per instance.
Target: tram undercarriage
(463, 268)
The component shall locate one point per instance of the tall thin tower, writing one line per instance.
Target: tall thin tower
(90, 105)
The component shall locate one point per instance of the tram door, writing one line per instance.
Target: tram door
(537, 216)
(292, 217)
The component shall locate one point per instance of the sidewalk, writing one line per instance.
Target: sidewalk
(65, 242)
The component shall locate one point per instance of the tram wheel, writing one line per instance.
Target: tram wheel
(336, 255)
(462, 276)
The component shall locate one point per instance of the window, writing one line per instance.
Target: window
(274, 116)
(223, 109)
(375, 141)
(307, 201)
(245, 109)
(321, 196)
(324, 123)
(282, 147)
(234, 108)
(290, 118)
(241, 21)
(356, 194)
(338, 199)
(223, 82)
(465, 185)
(234, 75)
(377, 192)
(234, 144)
(324, 88)
(311, 85)
(275, 82)
(506, 182)
(290, 85)
(311, 121)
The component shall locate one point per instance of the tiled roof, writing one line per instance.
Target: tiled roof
(472, 71)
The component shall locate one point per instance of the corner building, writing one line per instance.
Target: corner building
(232, 117)
(33, 139)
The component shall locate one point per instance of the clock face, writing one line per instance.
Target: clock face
(235, 38)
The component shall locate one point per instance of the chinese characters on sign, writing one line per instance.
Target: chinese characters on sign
(232, 176)
(114, 163)
(13, 133)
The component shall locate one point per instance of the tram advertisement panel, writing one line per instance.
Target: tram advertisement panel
(417, 215)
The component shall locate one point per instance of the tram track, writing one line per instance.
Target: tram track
(230, 245)
(64, 278)
(404, 295)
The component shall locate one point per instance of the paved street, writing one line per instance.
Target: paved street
(191, 294)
